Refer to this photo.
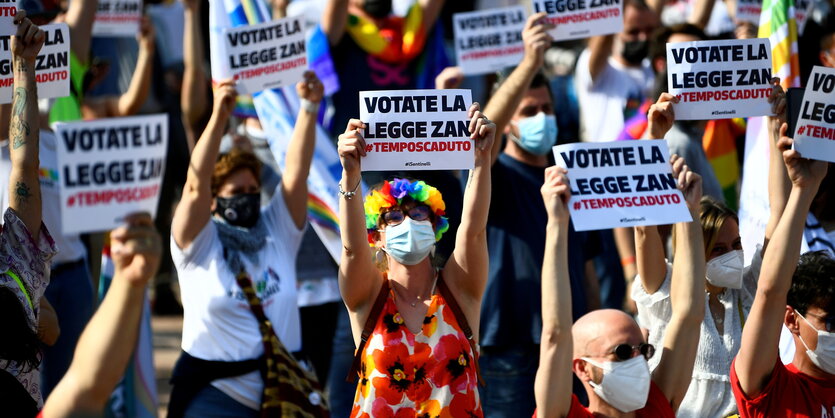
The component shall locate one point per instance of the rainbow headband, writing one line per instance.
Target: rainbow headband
(392, 193)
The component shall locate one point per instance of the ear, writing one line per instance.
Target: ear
(791, 320)
(580, 368)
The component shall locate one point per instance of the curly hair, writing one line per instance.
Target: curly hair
(813, 283)
(232, 162)
(19, 344)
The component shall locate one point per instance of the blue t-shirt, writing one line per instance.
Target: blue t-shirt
(511, 313)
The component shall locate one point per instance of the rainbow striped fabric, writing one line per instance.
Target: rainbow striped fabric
(719, 143)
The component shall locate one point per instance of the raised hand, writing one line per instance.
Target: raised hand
(225, 95)
(483, 131)
(351, 146)
(449, 78)
(29, 38)
(688, 182)
(803, 172)
(556, 193)
(310, 88)
(777, 98)
(136, 249)
(661, 116)
(146, 34)
(536, 38)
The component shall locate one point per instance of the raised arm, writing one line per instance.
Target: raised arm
(193, 211)
(687, 291)
(128, 104)
(779, 185)
(552, 387)
(24, 185)
(300, 150)
(661, 116)
(431, 11)
(48, 328)
(466, 270)
(649, 257)
(700, 15)
(600, 48)
(502, 105)
(193, 100)
(80, 17)
(761, 335)
(108, 342)
(334, 20)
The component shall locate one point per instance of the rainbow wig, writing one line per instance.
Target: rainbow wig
(393, 192)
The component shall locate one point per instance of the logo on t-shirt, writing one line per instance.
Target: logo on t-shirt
(267, 286)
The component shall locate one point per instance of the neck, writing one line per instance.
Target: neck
(804, 365)
(415, 280)
(713, 290)
(513, 150)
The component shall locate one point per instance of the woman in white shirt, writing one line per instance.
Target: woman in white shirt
(219, 231)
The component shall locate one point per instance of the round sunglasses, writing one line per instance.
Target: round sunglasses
(397, 216)
(625, 351)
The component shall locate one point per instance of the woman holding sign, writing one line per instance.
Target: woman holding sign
(730, 286)
(414, 325)
(236, 265)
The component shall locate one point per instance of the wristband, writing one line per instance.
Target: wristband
(625, 261)
(308, 106)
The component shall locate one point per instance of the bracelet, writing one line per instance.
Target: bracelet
(348, 195)
(627, 261)
(308, 106)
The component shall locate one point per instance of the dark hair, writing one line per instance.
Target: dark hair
(19, 342)
(813, 283)
(827, 40)
(232, 162)
(539, 80)
(658, 46)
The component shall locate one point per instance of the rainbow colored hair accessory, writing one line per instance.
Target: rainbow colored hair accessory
(392, 193)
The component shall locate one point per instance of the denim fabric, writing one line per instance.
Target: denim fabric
(509, 375)
(70, 292)
(212, 402)
(340, 392)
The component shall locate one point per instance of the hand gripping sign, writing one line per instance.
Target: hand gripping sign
(417, 130)
(720, 79)
(109, 168)
(622, 183)
(52, 66)
(266, 55)
(814, 136)
(490, 40)
(118, 18)
(576, 19)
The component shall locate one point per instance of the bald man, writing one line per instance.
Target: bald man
(605, 348)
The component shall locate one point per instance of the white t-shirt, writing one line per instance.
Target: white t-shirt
(617, 91)
(217, 321)
(70, 247)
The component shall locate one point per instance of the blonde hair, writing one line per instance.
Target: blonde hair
(712, 215)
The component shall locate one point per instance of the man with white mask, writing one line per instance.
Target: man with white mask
(801, 296)
(605, 348)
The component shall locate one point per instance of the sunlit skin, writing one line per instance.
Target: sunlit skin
(239, 182)
(535, 101)
(800, 328)
(638, 25)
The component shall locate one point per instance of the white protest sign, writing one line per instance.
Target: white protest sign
(814, 136)
(417, 130)
(109, 168)
(52, 66)
(576, 19)
(622, 183)
(266, 55)
(749, 11)
(8, 10)
(720, 79)
(490, 40)
(117, 18)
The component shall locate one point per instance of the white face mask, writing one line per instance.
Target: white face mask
(625, 384)
(823, 355)
(409, 242)
(726, 270)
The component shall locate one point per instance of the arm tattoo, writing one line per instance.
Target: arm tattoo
(22, 192)
(19, 128)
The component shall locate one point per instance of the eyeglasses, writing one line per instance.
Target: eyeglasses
(417, 213)
(625, 351)
(828, 320)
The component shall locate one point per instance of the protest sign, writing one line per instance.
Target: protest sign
(749, 11)
(109, 168)
(416, 130)
(117, 18)
(814, 136)
(490, 40)
(576, 19)
(619, 184)
(266, 55)
(52, 66)
(8, 10)
(720, 79)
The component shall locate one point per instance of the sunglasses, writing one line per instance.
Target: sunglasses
(397, 216)
(828, 320)
(625, 351)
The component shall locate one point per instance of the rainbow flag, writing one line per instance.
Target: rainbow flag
(719, 143)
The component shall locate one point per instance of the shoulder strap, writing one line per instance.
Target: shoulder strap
(462, 322)
(22, 287)
(370, 323)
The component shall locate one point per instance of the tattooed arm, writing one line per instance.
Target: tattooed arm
(25, 191)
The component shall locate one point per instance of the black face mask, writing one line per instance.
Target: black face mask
(240, 210)
(377, 8)
(635, 51)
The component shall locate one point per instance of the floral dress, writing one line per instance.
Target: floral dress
(429, 374)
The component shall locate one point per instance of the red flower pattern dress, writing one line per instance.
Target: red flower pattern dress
(430, 374)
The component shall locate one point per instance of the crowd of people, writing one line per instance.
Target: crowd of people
(456, 294)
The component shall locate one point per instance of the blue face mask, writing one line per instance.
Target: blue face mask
(537, 133)
(409, 242)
